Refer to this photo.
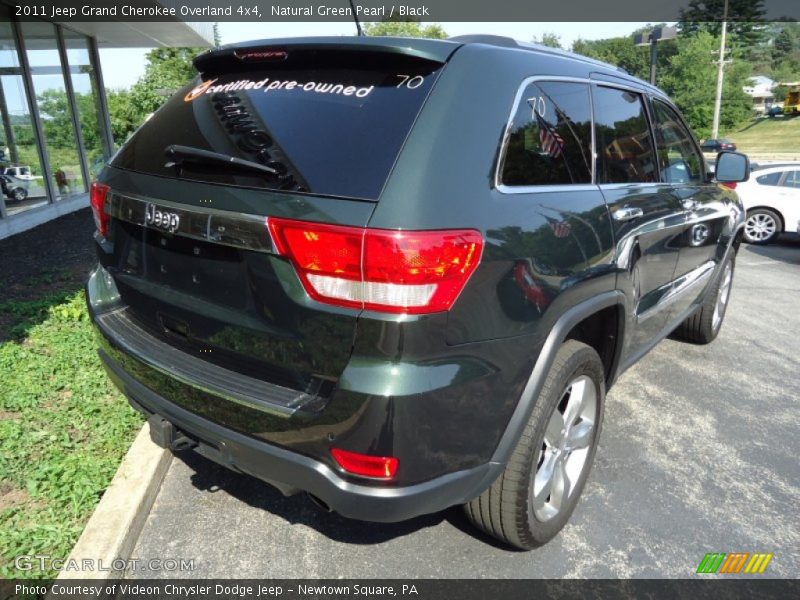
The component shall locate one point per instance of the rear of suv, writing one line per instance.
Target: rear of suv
(400, 275)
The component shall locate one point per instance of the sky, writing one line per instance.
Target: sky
(121, 67)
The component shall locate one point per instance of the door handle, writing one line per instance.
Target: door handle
(627, 213)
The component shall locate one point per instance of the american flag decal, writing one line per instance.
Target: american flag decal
(551, 142)
(560, 229)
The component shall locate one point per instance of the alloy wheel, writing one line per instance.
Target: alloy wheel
(567, 440)
(760, 227)
(723, 295)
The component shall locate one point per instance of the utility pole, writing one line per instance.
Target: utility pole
(720, 74)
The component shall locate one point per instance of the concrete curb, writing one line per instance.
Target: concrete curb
(113, 529)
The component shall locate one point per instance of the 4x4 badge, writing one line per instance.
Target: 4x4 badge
(162, 219)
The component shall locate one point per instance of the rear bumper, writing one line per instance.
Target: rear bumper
(292, 472)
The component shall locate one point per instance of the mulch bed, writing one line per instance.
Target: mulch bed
(54, 257)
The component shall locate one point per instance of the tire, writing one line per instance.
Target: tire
(704, 325)
(762, 226)
(508, 510)
(19, 194)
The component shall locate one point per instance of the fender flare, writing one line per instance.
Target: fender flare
(533, 387)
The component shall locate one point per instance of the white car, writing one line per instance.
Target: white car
(772, 199)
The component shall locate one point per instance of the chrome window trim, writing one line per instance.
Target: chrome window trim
(501, 157)
(542, 189)
(593, 185)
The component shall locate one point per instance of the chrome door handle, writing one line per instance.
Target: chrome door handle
(627, 213)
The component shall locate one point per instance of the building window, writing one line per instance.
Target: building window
(55, 113)
(22, 184)
(87, 100)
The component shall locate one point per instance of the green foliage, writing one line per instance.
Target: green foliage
(64, 428)
(405, 29)
(58, 131)
(621, 52)
(168, 69)
(745, 19)
(549, 39)
(785, 54)
(691, 78)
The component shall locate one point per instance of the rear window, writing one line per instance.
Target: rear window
(328, 123)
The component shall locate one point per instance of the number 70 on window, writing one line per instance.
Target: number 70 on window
(538, 105)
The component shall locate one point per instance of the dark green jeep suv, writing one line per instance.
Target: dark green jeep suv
(399, 274)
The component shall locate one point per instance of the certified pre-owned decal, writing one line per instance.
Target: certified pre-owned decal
(199, 90)
(269, 85)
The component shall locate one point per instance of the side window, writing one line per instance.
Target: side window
(770, 178)
(624, 147)
(550, 138)
(792, 179)
(678, 160)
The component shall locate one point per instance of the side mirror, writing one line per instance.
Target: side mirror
(732, 167)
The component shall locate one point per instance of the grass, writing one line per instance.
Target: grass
(64, 428)
(777, 136)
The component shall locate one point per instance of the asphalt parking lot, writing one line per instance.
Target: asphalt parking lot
(699, 453)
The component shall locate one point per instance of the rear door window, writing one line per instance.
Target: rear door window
(792, 179)
(330, 123)
(549, 141)
(624, 145)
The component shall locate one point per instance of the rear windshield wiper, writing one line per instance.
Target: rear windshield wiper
(179, 155)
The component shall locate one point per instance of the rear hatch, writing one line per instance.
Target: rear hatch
(314, 130)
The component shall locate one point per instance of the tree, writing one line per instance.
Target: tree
(405, 29)
(745, 18)
(691, 78)
(620, 52)
(217, 36)
(168, 69)
(551, 40)
(748, 33)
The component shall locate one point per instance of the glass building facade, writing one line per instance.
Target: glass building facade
(55, 135)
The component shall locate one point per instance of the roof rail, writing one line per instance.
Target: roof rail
(507, 42)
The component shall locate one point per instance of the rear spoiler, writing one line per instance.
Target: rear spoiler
(272, 50)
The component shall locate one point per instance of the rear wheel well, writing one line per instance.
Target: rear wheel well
(772, 210)
(601, 331)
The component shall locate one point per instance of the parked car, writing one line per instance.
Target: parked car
(13, 189)
(775, 111)
(306, 274)
(772, 200)
(717, 145)
(770, 164)
(16, 181)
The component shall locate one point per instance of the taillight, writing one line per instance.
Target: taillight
(729, 184)
(97, 197)
(412, 272)
(383, 467)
